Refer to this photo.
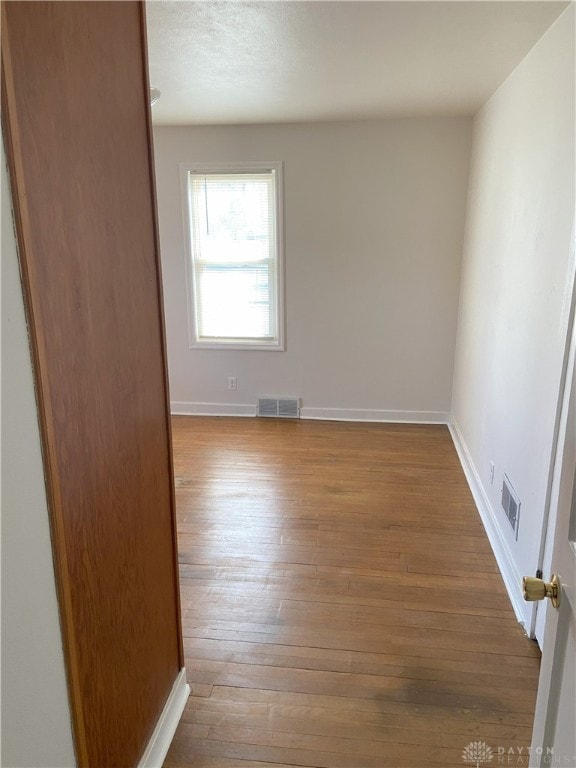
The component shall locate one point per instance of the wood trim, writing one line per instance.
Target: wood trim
(145, 72)
(88, 698)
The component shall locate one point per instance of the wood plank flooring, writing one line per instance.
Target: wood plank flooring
(341, 604)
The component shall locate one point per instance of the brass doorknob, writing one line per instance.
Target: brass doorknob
(538, 589)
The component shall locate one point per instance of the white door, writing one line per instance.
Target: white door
(554, 735)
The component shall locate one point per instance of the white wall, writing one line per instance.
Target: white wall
(36, 728)
(515, 292)
(374, 219)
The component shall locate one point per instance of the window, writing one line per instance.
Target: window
(235, 255)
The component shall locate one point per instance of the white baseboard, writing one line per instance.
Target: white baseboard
(324, 414)
(361, 414)
(161, 739)
(510, 574)
(212, 409)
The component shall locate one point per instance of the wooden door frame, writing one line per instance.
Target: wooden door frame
(23, 226)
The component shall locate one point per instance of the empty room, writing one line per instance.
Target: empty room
(341, 602)
(289, 391)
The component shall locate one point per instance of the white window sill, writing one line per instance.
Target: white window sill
(237, 347)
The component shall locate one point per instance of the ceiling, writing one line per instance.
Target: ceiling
(292, 61)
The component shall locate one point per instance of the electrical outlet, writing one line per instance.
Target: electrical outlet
(232, 383)
(491, 473)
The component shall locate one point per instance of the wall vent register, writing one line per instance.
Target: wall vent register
(279, 407)
(511, 504)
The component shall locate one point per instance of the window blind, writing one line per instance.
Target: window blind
(234, 256)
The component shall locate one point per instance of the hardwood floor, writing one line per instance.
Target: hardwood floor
(341, 605)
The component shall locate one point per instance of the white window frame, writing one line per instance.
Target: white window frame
(243, 167)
